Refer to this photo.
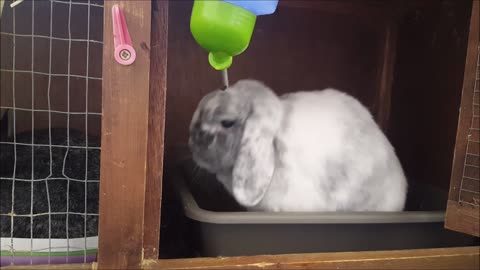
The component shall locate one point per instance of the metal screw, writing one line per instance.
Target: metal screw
(125, 54)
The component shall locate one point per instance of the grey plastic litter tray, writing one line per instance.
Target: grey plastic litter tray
(238, 233)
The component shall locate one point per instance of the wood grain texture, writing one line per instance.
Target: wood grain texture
(466, 106)
(443, 258)
(124, 142)
(464, 217)
(156, 128)
(446, 258)
(426, 92)
(386, 73)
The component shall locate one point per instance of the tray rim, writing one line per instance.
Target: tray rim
(193, 211)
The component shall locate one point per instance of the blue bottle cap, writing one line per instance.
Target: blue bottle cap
(257, 7)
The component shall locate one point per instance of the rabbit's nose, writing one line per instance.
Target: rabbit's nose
(204, 138)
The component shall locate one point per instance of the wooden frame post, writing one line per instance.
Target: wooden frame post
(383, 99)
(461, 216)
(156, 129)
(124, 141)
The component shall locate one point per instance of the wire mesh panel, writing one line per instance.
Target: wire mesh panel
(470, 183)
(50, 134)
(463, 206)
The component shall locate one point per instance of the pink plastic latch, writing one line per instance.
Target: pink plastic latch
(124, 52)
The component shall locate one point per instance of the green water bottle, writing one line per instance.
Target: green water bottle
(224, 27)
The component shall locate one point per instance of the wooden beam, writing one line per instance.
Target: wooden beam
(156, 128)
(462, 217)
(443, 258)
(383, 99)
(124, 141)
(466, 110)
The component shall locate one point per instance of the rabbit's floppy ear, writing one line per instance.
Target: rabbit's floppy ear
(255, 163)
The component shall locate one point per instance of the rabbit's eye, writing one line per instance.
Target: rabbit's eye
(227, 123)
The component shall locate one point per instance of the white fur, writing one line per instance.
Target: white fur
(310, 151)
(329, 126)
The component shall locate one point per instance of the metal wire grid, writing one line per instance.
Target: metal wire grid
(472, 143)
(68, 113)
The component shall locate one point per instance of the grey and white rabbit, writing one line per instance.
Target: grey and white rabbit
(304, 151)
